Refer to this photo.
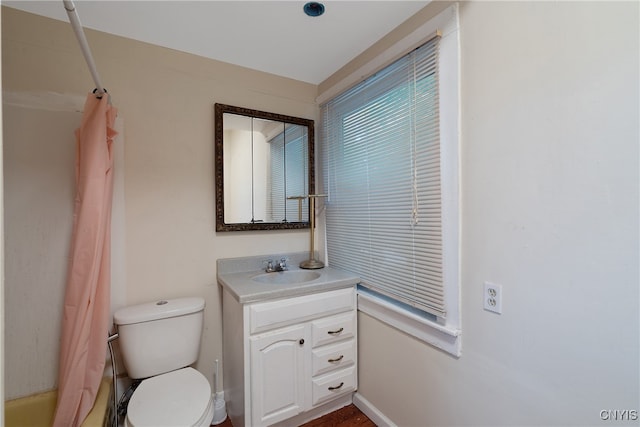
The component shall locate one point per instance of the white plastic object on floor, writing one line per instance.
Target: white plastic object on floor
(219, 411)
(219, 406)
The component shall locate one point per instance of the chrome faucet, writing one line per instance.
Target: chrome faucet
(282, 265)
(278, 266)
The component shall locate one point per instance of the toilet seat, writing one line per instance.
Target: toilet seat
(177, 398)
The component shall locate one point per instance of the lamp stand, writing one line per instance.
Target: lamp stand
(312, 263)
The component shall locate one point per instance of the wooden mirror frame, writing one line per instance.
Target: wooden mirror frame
(220, 110)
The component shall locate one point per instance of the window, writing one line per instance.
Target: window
(391, 182)
(289, 174)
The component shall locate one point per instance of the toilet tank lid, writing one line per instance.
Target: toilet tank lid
(158, 310)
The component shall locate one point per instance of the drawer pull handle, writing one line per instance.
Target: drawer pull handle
(336, 359)
(336, 387)
(335, 332)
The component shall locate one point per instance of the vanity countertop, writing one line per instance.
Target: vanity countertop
(236, 276)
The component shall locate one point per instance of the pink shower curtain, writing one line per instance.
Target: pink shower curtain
(86, 318)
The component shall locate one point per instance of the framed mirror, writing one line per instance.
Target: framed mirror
(263, 161)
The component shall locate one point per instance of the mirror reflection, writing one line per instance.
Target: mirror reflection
(262, 159)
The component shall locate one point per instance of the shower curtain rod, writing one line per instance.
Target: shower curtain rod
(86, 51)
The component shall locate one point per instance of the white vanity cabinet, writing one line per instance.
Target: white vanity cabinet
(291, 359)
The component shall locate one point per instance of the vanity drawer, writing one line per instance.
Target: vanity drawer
(274, 314)
(334, 384)
(332, 329)
(331, 357)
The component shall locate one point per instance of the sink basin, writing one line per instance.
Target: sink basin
(288, 277)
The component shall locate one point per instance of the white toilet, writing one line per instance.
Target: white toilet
(159, 340)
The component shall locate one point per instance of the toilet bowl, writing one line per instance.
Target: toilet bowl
(159, 341)
(178, 398)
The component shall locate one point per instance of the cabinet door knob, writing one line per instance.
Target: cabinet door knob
(336, 387)
(335, 332)
(301, 341)
(337, 359)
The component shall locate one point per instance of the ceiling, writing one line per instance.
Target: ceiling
(271, 36)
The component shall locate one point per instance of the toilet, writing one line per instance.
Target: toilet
(159, 340)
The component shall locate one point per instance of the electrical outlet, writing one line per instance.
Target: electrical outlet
(492, 297)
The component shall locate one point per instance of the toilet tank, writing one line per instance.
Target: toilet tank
(159, 337)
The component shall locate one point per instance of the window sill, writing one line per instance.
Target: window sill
(420, 327)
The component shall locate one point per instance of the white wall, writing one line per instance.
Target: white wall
(245, 181)
(237, 181)
(39, 194)
(549, 184)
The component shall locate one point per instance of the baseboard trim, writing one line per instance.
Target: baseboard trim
(371, 411)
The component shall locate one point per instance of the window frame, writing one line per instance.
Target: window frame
(445, 335)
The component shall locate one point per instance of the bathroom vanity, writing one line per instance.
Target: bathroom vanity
(289, 341)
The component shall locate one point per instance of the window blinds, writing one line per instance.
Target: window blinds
(381, 149)
(289, 174)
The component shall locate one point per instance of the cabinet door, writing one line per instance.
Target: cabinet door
(277, 375)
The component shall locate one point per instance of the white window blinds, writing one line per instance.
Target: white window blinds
(381, 148)
(289, 174)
